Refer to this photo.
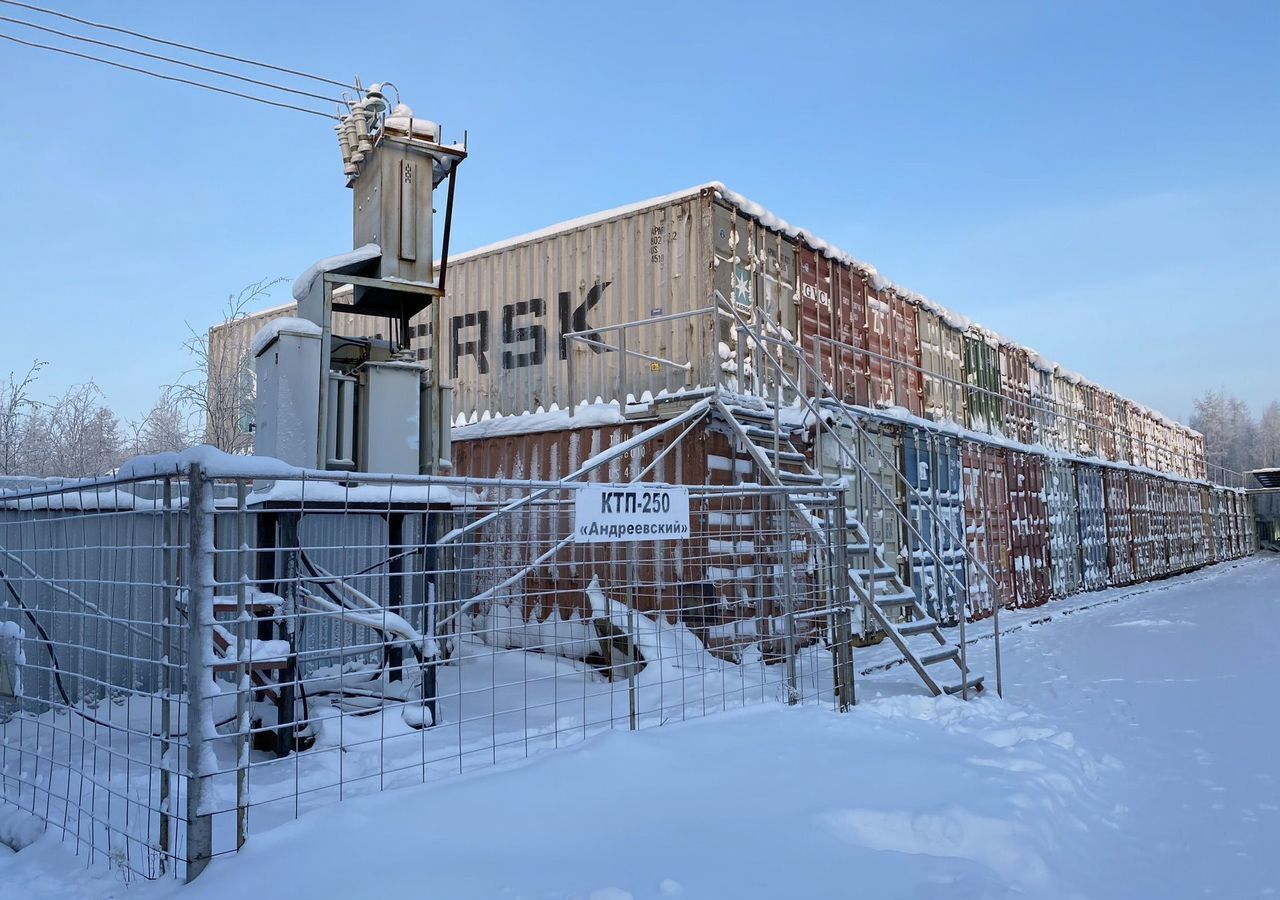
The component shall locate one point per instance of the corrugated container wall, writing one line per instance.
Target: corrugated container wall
(986, 525)
(1015, 388)
(931, 463)
(509, 309)
(1064, 531)
(1044, 404)
(1091, 513)
(831, 323)
(1025, 474)
(893, 345)
(942, 358)
(1120, 532)
(982, 374)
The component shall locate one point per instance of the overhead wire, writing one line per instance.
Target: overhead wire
(169, 59)
(163, 77)
(147, 37)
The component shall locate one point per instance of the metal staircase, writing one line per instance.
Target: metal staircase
(769, 438)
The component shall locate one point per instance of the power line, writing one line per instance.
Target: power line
(199, 84)
(177, 62)
(147, 37)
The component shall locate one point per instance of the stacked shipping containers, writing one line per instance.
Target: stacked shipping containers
(1042, 527)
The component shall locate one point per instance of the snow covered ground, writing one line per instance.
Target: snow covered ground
(1134, 756)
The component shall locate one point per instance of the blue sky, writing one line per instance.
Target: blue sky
(1100, 181)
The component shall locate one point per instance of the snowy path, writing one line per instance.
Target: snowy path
(1133, 757)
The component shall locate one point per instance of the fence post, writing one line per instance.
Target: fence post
(844, 624)
(789, 601)
(243, 727)
(166, 650)
(200, 730)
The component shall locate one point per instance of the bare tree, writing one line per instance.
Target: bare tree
(219, 386)
(16, 408)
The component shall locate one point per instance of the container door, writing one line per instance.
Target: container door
(1091, 508)
(932, 467)
(1064, 541)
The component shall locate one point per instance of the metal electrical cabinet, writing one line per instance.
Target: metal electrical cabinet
(387, 413)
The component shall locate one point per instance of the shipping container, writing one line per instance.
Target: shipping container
(1044, 404)
(1070, 410)
(1092, 517)
(987, 529)
(1104, 421)
(832, 323)
(1064, 530)
(720, 585)
(1147, 515)
(942, 358)
(1015, 389)
(931, 463)
(1029, 528)
(1120, 531)
(878, 449)
(1123, 436)
(893, 345)
(982, 374)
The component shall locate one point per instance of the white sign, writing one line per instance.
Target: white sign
(643, 512)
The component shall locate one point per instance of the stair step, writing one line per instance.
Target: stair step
(782, 455)
(882, 572)
(920, 626)
(742, 414)
(942, 654)
(798, 477)
(860, 549)
(906, 598)
(975, 684)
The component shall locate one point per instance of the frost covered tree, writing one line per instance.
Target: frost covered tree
(81, 435)
(1269, 435)
(219, 385)
(167, 427)
(1230, 433)
(16, 407)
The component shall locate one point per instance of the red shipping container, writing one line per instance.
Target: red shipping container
(833, 310)
(986, 525)
(893, 342)
(1029, 528)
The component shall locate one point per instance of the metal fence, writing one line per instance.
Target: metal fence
(193, 657)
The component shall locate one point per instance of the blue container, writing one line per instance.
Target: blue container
(1092, 515)
(931, 464)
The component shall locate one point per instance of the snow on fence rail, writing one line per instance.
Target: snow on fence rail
(186, 658)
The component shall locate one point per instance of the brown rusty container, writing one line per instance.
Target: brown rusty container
(719, 582)
(893, 344)
(987, 527)
(832, 321)
(1029, 528)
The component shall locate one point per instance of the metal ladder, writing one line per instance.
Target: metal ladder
(887, 600)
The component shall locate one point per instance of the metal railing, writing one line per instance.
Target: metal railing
(324, 639)
(755, 343)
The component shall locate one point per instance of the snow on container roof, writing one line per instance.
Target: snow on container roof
(770, 220)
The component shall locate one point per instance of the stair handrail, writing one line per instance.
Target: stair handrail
(810, 405)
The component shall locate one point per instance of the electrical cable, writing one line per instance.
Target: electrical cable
(199, 84)
(169, 59)
(180, 46)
